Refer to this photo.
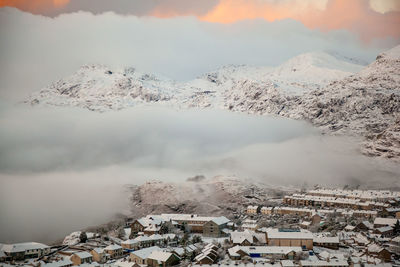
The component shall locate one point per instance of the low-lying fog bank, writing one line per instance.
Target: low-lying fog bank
(65, 169)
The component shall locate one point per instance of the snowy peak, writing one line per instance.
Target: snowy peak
(393, 54)
(300, 74)
(332, 61)
(313, 71)
(384, 69)
(341, 57)
(98, 87)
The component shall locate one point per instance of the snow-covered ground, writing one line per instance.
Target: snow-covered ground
(74, 238)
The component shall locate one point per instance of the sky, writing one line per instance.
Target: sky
(366, 18)
(44, 40)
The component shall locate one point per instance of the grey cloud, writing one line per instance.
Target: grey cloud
(40, 140)
(137, 7)
(43, 140)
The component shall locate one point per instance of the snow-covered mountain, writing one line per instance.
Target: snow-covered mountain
(97, 87)
(365, 104)
(335, 93)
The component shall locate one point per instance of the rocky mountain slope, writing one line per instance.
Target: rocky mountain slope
(334, 93)
(218, 195)
(365, 104)
(100, 88)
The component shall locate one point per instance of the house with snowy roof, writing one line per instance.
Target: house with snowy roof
(150, 223)
(208, 255)
(129, 244)
(159, 258)
(252, 209)
(380, 222)
(215, 227)
(385, 231)
(364, 226)
(320, 263)
(99, 255)
(247, 238)
(267, 210)
(115, 251)
(26, 250)
(81, 258)
(59, 263)
(379, 252)
(152, 229)
(249, 224)
(140, 256)
(289, 237)
(275, 252)
(323, 240)
(193, 223)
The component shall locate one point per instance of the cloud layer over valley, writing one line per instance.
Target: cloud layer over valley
(65, 169)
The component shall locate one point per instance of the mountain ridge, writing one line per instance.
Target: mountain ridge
(316, 87)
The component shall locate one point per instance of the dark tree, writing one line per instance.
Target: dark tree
(83, 237)
(197, 239)
(396, 229)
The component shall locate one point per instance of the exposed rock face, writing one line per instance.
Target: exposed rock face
(218, 196)
(384, 144)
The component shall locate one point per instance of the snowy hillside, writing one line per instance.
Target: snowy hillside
(98, 87)
(365, 104)
(312, 71)
(334, 93)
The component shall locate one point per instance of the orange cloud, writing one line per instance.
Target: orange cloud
(34, 6)
(356, 16)
(353, 15)
(60, 3)
(229, 11)
(368, 19)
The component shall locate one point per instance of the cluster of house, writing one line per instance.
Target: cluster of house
(264, 246)
(336, 202)
(362, 237)
(363, 195)
(348, 199)
(311, 211)
(192, 223)
(22, 251)
(372, 235)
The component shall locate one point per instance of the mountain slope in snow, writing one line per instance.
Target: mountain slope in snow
(334, 93)
(98, 87)
(312, 71)
(365, 104)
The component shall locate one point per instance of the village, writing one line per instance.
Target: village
(319, 227)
